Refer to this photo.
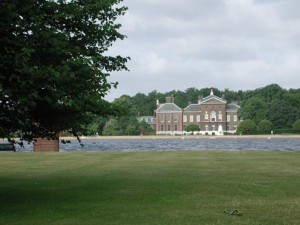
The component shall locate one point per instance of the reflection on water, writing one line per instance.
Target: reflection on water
(102, 145)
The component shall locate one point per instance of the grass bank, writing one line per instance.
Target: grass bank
(150, 188)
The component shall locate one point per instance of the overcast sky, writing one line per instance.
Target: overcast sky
(235, 44)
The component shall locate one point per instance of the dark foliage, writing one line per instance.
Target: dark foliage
(53, 70)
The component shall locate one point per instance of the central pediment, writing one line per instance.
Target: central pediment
(212, 99)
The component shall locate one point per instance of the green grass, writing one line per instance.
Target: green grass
(187, 187)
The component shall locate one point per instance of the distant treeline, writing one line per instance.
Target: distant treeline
(279, 106)
(273, 103)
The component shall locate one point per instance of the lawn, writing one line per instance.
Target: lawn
(186, 187)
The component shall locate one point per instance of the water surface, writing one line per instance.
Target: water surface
(229, 144)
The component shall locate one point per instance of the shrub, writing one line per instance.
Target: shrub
(247, 127)
(296, 126)
(265, 126)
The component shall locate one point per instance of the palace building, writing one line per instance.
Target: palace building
(212, 114)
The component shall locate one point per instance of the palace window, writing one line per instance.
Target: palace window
(169, 127)
(235, 118)
(220, 116)
(191, 118)
(213, 116)
(184, 118)
(228, 118)
(161, 127)
(206, 116)
(176, 118)
(198, 118)
(169, 118)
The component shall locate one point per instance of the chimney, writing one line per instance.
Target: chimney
(200, 98)
(169, 100)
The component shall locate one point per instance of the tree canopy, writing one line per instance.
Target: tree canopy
(272, 108)
(53, 64)
(296, 126)
(247, 127)
(192, 127)
(265, 126)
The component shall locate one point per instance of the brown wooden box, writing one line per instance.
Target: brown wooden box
(45, 145)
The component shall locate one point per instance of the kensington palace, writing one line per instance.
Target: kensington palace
(212, 114)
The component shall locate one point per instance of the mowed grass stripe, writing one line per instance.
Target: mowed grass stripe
(184, 187)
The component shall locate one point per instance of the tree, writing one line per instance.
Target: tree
(127, 104)
(53, 67)
(255, 108)
(192, 127)
(192, 95)
(296, 126)
(112, 128)
(230, 96)
(282, 113)
(180, 98)
(270, 92)
(265, 126)
(136, 128)
(145, 128)
(95, 127)
(293, 97)
(247, 127)
(144, 106)
(152, 100)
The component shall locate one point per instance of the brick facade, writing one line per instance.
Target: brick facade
(212, 114)
(168, 118)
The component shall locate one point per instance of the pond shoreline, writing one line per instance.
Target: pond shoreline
(183, 137)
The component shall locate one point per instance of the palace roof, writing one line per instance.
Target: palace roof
(168, 107)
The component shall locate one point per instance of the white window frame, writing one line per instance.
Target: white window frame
(228, 118)
(191, 118)
(213, 116)
(206, 116)
(235, 118)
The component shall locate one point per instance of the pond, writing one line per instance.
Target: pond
(176, 144)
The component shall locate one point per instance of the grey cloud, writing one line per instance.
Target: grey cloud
(222, 43)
